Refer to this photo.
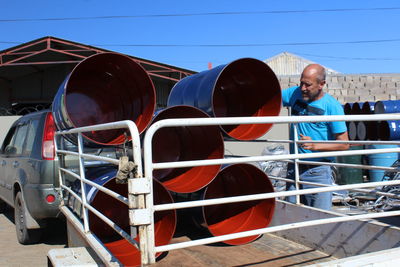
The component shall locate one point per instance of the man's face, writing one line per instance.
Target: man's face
(311, 88)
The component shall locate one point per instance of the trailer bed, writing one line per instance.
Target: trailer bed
(269, 250)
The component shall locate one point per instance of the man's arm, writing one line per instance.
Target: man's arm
(326, 147)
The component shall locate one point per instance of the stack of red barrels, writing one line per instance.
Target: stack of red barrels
(111, 87)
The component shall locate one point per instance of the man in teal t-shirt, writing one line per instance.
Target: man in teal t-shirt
(310, 99)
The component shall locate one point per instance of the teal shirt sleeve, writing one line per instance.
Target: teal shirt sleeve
(337, 126)
(287, 96)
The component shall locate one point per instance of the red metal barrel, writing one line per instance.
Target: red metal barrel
(105, 88)
(186, 143)
(126, 253)
(238, 180)
(245, 87)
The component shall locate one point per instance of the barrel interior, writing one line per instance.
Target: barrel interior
(379, 107)
(372, 130)
(356, 108)
(384, 130)
(183, 144)
(106, 88)
(237, 180)
(246, 88)
(361, 130)
(347, 108)
(126, 253)
(367, 108)
(352, 128)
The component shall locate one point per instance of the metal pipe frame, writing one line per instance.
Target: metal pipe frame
(150, 166)
(99, 187)
(348, 165)
(391, 195)
(243, 198)
(133, 201)
(359, 142)
(166, 165)
(110, 223)
(89, 156)
(275, 229)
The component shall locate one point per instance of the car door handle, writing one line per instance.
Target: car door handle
(15, 164)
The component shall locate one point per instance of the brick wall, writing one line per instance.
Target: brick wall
(356, 87)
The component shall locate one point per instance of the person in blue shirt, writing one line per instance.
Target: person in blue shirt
(310, 99)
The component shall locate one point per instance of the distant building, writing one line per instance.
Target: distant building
(289, 64)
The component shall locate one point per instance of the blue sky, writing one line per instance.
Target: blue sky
(191, 41)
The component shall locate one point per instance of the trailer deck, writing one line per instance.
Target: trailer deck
(269, 250)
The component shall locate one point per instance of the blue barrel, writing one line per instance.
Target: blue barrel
(246, 87)
(384, 160)
(389, 130)
(387, 106)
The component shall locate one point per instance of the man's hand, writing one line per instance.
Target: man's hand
(326, 147)
(308, 146)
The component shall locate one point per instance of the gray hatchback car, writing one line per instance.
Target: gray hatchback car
(29, 172)
(28, 178)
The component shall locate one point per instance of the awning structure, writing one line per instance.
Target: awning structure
(30, 73)
(50, 50)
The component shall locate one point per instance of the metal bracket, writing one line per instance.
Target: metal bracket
(139, 186)
(140, 217)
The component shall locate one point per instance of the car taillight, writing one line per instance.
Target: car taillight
(50, 198)
(48, 150)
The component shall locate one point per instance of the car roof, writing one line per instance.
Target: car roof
(31, 115)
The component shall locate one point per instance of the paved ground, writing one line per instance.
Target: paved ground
(14, 254)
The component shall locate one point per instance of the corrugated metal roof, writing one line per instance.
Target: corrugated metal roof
(289, 64)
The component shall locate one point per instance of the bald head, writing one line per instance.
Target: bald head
(315, 70)
(312, 81)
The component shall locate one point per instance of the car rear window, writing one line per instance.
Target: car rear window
(30, 137)
(19, 138)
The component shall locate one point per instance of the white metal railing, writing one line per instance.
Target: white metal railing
(132, 201)
(143, 200)
(150, 166)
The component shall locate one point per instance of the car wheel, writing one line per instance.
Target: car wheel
(24, 235)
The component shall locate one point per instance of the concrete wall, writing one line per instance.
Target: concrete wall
(356, 87)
